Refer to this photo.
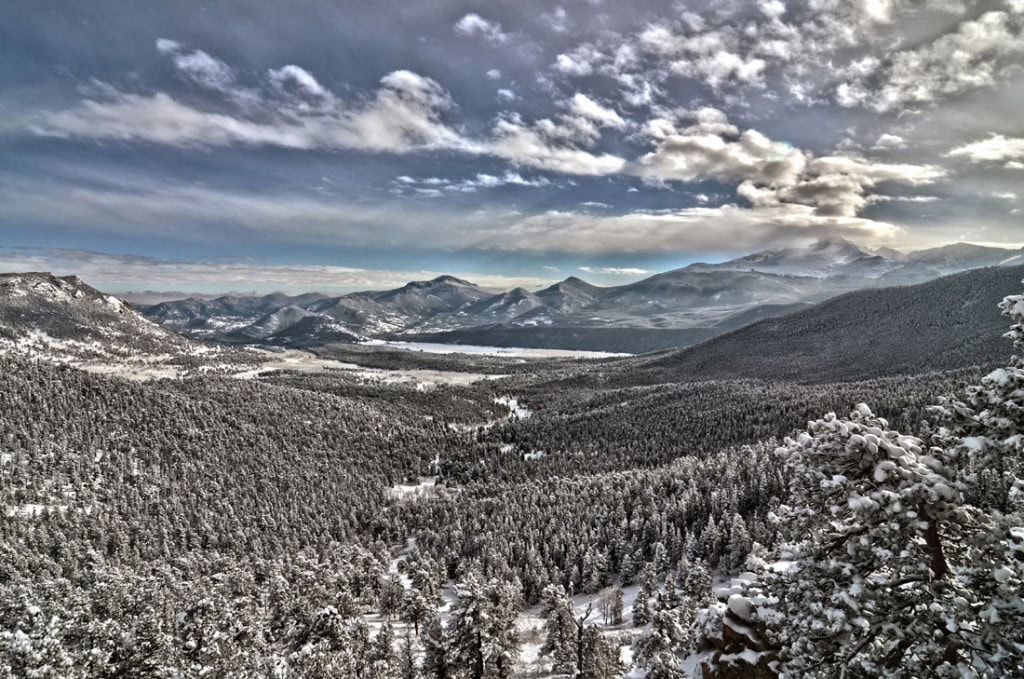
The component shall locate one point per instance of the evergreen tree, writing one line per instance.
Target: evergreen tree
(483, 639)
(560, 630)
(407, 668)
(598, 659)
(641, 609)
(436, 662)
(896, 574)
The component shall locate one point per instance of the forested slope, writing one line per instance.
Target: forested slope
(945, 324)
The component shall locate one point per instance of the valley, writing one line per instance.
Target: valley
(340, 511)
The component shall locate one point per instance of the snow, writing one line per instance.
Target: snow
(305, 362)
(741, 606)
(521, 412)
(525, 352)
(408, 492)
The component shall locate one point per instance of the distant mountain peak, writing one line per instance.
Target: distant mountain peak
(450, 280)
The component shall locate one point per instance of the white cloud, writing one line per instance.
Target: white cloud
(837, 185)
(583, 105)
(890, 141)
(577, 63)
(995, 149)
(436, 185)
(505, 95)
(494, 74)
(119, 273)
(403, 114)
(773, 9)
(614, 271)
(557, 20)
(694, 229)
(198, 66)
(711, 148)
(299, 77)
(966, 58)
(548, 145)
(475, 26)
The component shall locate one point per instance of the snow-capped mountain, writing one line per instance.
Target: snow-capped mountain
(715, 297)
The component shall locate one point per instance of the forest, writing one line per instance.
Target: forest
(551, 520)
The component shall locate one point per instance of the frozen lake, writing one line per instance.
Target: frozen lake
(523, 352)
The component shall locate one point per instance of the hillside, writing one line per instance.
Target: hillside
(64, 320)
(63, 316)
(945, 324)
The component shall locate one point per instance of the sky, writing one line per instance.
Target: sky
(342, 145)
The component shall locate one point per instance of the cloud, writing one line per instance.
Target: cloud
(702, 144)
(614, 271)
(584, 106)
(729, 227)
(890, 141)
(550, 145)
(837, 185)
(403, 114)
(120, 273)
(299, 77)
(995, 149)
(578, 62)
(969, 57)
(475, 26)
(435, 186)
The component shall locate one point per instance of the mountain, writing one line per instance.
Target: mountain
(62, 317)
(214, 318)
(946, 324)
(822, 259)
(667, 310)
(960, 256)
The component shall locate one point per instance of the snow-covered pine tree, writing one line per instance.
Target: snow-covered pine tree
(482, 632)
(886, 553)
(599, 660)
(436, 664)
(984, 431)
(641, 609)
(661, 649)
(407, 667)
(559, 630)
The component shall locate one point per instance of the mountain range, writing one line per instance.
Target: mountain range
(677, 308)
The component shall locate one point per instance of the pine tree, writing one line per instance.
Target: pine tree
(599, 660)
(617, 605)
(436, 662)
(560, 630)
(641, 609)
(483, 639)
(382, 653)
(417, 609)
(896, 575)
(407, 668)
(660, 649)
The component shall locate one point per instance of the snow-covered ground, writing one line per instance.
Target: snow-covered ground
(522, 352)
(515, 408)
(303, 361)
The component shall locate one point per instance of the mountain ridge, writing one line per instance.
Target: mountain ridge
(702, 297)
